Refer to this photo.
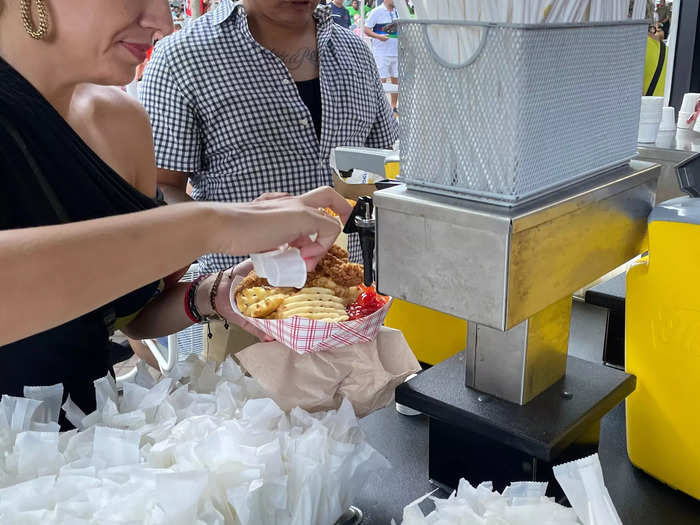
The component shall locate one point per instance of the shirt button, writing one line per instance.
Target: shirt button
(304, 123)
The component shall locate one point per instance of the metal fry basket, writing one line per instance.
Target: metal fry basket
(503, 113)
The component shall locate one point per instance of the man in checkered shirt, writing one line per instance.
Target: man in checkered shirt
(251, 99)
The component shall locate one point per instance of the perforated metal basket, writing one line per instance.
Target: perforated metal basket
(504, 113)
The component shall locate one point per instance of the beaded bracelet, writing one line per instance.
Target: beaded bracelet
(212, 297)
(190, 294)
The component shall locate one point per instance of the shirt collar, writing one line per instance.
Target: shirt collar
(224, 11)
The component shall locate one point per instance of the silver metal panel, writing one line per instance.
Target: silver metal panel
(499, 362)
(367, 159)
(520, 363)
(444, 264)
(589, 326)
(497, 266)
(668, 157)
(563, 254)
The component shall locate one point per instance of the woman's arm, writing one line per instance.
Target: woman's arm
(166, 314)
(53, 274)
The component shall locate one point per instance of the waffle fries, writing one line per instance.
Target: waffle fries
(333, 286)
(313, 303)
(259, 301)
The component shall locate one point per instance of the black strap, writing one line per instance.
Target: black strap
(51, 197)
(659, 68)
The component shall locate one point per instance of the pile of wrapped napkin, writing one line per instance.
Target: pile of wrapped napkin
(203, 446)
(525, 503)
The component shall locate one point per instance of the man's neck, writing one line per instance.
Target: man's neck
(268, 32)
(296, 47)
(338, 3)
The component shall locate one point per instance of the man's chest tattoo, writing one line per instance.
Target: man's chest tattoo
(299, 58)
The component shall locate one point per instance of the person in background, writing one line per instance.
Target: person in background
(354, 9)
(340, 14)
(655, 61)
(658, 32)
(266, 118)
(85, 247)
(664, 12)
(381, 26)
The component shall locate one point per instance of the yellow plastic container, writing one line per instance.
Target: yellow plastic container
(391, 170)
(433, 336)
(663, 350)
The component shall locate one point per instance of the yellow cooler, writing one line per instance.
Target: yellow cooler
(663, 348)
(433, 336)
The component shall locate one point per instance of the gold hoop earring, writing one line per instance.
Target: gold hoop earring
(37, 33)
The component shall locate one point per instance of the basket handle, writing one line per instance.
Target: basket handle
(429, 44)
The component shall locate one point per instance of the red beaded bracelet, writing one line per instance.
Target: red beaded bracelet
(190, 293)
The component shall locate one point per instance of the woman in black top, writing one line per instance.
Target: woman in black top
(83, 246)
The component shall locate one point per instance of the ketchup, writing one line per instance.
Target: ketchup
(368, 302)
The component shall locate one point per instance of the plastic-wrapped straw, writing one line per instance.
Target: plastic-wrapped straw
(608, 10)
(525, 502)
(420, 8)
(522, 12)
(497, 11)
(52, 396)
(567, 11)
(207, 447)
(583, 484)
(582, 12)
(639, 11)
(519, 503)
(531, 11)
(402, 9)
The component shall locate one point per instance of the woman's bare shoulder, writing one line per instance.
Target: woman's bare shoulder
(121, 132)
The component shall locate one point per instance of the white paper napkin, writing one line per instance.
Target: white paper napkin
(284, 267)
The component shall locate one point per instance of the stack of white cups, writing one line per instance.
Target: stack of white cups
(668, 119)
(690, 100)
(650, 118)
(667, 129)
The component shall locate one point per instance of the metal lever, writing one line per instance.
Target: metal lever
(366, 229)
(362, 222)
(352, 516)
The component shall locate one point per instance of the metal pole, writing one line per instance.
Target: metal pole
(362, 20)
(195, 7)
(671, 48)
(686, 64)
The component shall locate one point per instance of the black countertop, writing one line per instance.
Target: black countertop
(639, 498)
(609, 294)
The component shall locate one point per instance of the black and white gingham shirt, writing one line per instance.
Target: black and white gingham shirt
(227, 110)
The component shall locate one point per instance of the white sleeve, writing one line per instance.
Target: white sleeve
(370, 21)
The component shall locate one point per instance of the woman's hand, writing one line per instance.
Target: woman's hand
(272, 196)
(222, 301)
(265, 225)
